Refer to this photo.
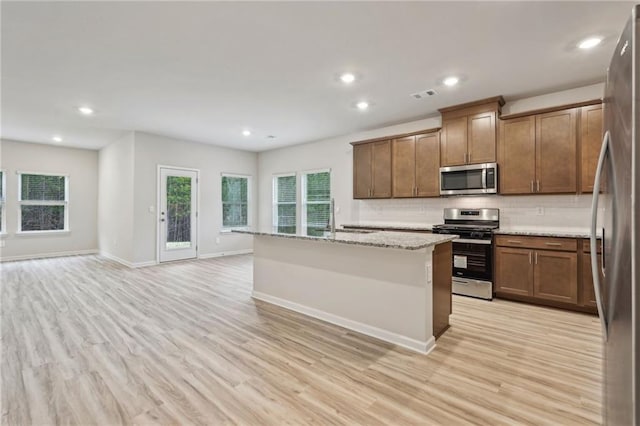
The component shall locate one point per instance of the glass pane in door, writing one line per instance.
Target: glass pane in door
(178, 218)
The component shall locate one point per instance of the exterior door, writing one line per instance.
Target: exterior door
(177, 235)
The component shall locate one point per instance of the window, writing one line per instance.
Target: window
(316, 201)
(284, 203)
(43, 202)
(235, 201)
(3, 186)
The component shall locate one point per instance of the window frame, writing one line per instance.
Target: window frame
(64, 203)
(227, 229)
(303, 195)
(275, 203)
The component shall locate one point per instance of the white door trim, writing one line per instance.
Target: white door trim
(159, 207)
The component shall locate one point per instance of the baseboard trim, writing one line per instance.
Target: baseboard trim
(397, 339)
(126, 262)
(47, 255)
(224, 253)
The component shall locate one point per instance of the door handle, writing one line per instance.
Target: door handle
(593, 240)
(537, 186)
(535, 256)
(529, 258)
(553, 244)
(532, 186)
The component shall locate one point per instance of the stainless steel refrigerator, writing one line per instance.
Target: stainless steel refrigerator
(615, 220)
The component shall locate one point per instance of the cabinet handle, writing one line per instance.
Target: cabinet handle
(529, 258)
(553, 244)
(532, 186)
(468, 157)
(536, 257)
(538, 186)
(514, 241)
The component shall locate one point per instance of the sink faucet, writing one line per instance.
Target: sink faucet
(332, 217)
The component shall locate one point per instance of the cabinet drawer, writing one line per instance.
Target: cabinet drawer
(546, 243)
(586, 246)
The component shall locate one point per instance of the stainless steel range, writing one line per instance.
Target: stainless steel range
(473, 251)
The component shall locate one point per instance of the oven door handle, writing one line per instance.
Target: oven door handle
(466, 240)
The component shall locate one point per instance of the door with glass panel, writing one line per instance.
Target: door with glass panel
(178, 214)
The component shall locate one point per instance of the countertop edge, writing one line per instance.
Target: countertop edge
(442, 239)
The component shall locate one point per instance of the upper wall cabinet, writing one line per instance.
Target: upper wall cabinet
(553, 152)
(590, 144)
(372, 170)
(415, 166)
(469, 132)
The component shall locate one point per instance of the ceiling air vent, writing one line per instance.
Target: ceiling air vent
(424, 94)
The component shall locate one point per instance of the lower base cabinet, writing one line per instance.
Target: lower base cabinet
(546, 271)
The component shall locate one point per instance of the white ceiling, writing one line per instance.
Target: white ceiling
(205, 71)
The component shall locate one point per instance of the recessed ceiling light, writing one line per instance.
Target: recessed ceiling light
(56, 138)
(362, 105)
(85, 110)
(590, 42)
(347, 78)
(246, 132)
(451, 81)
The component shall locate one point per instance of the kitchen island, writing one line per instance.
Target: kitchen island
(394, 286)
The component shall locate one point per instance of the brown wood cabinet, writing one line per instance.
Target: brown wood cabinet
(517, 155)
(372, 170)
(590, 143)
(415, 166)
(588, 292)
(537, 269)
(469, 132)
(538, 153)
(556, 147)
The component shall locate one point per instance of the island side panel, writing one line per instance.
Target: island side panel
(382, 292)
(442, 273)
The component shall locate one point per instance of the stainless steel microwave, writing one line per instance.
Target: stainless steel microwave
(469, 179)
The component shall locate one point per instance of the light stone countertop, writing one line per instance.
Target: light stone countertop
(395, 240)
(545, 232)
(405, 226)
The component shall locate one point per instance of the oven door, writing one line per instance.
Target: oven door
(473, 259)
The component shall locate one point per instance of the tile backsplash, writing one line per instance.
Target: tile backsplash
(553, 211)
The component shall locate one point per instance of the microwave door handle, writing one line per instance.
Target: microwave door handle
(593, 240)
(484, 179)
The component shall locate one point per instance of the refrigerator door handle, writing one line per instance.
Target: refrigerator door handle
(594, 222)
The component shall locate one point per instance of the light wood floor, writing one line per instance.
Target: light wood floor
(87, 341)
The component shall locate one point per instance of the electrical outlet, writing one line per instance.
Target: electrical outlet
(540, 211)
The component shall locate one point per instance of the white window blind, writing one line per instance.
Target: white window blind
(235, 201)
(43, 202)
(284, 204)
(316, 201)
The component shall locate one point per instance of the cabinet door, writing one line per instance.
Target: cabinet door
(481, 143)
(590, 143)
(453, 146)
(556, 276)
(362, 158)
(588, 292)
(517, 169)
(514, 271)
(404, 167)
(381, 170)
(428, 165)
(556, 151)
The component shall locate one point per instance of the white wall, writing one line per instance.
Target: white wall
(115, 206)
(569, 211)
(153, 150)
(81, 165)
